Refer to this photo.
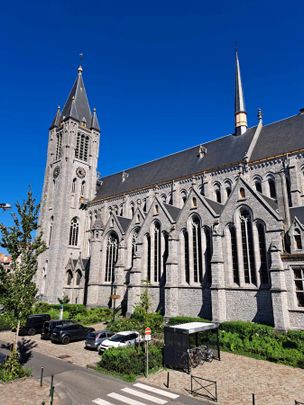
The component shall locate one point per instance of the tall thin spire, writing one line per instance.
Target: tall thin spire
(240, 113)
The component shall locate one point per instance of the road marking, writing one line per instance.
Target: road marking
(101, 402)
(156, 390)
(124, 399)
(144, 396)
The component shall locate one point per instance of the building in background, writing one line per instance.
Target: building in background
(5, 261)
(215, 230)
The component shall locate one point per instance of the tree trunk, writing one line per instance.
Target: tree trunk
(16, 336)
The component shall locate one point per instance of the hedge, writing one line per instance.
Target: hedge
(131, 359)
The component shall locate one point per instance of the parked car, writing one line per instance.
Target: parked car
(69, 333)
(120, 339)
(94, 339)
(49, 326)
(34, 324)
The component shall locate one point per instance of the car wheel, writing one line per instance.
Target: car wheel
(66, 340)
(31, 331)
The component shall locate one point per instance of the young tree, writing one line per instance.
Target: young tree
(24, 244)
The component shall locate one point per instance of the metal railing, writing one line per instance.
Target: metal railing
(204, 388)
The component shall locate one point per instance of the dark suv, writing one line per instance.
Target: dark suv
(34, 324)
(69, 333)
(49, 326)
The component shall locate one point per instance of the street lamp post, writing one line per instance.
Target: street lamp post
(114, 297)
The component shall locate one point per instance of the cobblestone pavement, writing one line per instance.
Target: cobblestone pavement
(25, 391)
(238, 377)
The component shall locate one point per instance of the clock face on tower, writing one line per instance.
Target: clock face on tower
(56, 172)
(80, 172)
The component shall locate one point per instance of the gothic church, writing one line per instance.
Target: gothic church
(216, 230)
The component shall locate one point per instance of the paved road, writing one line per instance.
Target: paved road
(80, 386)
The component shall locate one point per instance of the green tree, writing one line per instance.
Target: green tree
(24, 243)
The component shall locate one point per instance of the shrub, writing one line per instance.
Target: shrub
(6, 321)
(11, 369)
(131, 360)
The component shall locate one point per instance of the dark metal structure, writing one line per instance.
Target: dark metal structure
(179, 339)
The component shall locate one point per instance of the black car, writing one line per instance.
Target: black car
(34, 324)
(49, 326)
(69, 333)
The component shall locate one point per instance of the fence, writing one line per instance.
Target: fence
(204, 388)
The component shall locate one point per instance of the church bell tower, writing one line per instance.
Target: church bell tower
(69, 183)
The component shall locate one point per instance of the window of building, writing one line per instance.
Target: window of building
(197, 249)
(208, 255)
(242, 193)
(69, 277)
(194, 202)
(78, 277)
(145, 205)
(111, 256)
(121, 210)
(247, 247)
(74, 185)
(299, 285)
(156, 209)
(184, 196)
(59, 146)
(288, 187)
(202, 189)
(134, 245)
(157, 251)
(227, 189)
(258, 185)
(263, 254)
(51, 229)
(165, 255)
(148, 245)
(74, 230)
(272, 188)
(82, 147)
(164, 198)
(217, 192)
(186, 255)
(234, 255)
(82, 189)
(297, 239)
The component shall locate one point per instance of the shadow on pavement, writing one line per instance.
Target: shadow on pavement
(24, 347)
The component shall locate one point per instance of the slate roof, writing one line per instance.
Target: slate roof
(297, 212)
(275, 139)
(124, 222)
(173, 211)
(273, 203)
(217, 207)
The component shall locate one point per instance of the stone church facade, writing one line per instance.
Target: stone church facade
(215, 230)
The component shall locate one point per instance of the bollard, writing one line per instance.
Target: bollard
(253, 399)
(41, 377)
(168, 379)
(43, 403)
(52, 381)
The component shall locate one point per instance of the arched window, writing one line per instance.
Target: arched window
(82, 189)
(227, 186)
(234, 256)
(157, 251)
(288, 190)
(263, 253)
(145, 205)
(217, 193)
(194, 202)
(184, 196)
(297, 239)
(248, 248)
(51, 229)
(197, 249)
(272, 188)
(74, 230)
(69, 276)
(242, 193)
(134, 246)
(202, 189)
(132, 209)
(74, 185)
(164, 198)
(186, 255)
(165, 254)
(111, 256)
(148, 245)
(78, 277)
(59, 146)
(156, 211)
(258, 185)
(208, 254)
(82, 147)
(121, 210)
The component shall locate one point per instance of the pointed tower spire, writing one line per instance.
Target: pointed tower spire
(240, 113)
(94, 122)
(77, 105)
(56, 120)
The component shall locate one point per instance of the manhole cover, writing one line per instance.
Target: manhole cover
(63, 356)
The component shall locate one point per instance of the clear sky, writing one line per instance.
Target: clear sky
(160, 73)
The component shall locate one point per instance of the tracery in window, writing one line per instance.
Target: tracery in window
(82, 147)
(247, 247)
(111, 256)
(186, 255)
(74, 230)
(148, 247)
(208, 254)
(196, 249)
(234, 256)
(59, 146)
(157, 251)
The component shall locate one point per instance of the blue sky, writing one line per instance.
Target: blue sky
(161, 75)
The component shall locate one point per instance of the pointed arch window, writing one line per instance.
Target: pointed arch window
(263, 253)
(165, 255)
(134, 246)
(51, 229)
(297, 239)
(69, 278)
(194, 202)
(184, 196)
(247, 247)
(186, 255)
(74, 231)
(82, 189)
(272, 188)
(234, 255)
(157, 251)
(78, 277)
(74, 185)
(197, 249)
(227, 189)
(208, 254)
(148, 246)
(82, 147)
(217, 193)
(258, 185)
(111, 256)
(59, 146)
(288, 187)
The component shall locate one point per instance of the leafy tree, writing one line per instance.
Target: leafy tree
(24, 244)
(64, 300)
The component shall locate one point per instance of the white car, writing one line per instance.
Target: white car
(120, 339)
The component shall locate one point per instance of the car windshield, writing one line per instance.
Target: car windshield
(118, 338)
